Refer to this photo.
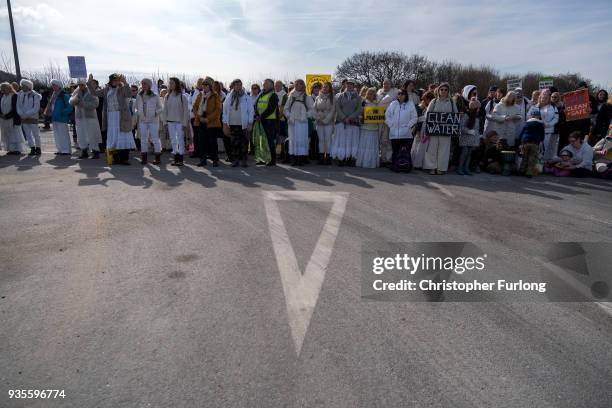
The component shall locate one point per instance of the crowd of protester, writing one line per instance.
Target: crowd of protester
(504, 133)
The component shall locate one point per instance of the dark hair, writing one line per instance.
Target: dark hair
(576, 135)
(408, 82)
(178, 86)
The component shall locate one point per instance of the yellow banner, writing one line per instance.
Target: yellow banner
(374, 114)
(313, 78)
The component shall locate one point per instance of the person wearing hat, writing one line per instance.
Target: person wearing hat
(148, 110)
(438, 150)
(59, 109)
(116, 116)
(10, 129)
(209, 121)
(531, 136)
(28, 108)
(267, 112)
(348, 111)
(86, 120)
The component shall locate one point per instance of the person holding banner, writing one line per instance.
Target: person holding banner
(86, 120)
(10, 129)
(323, 112)
(148, 110)
(59, 109)
(348, 111)
(28, 108)
(297, 110)
(550, 116)
(116, 116)
(367, 151)
(385, 96)
(438, 150)
(401, 116)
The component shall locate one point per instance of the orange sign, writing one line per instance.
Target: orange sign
(577, 105)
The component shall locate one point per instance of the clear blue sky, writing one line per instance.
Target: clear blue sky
(286, 39)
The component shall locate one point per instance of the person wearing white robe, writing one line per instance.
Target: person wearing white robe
(28, 108)
(297, 110)
(346, 139)
(367, 151)
(323, 113)
(10, 130)
(89, 136)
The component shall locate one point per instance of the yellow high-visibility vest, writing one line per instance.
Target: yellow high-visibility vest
(262, 105)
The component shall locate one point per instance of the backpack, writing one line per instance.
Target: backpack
(402, 162)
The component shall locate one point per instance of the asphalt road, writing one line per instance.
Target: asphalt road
(160, 287)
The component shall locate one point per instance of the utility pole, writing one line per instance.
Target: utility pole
(16, 56)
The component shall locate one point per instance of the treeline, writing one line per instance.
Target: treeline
(371, 68)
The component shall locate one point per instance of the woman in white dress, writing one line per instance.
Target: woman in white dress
(368, 152)
(116, 116)
(297, 110)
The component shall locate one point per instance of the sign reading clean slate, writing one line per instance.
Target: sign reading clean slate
(577, 105)
(443, 124)
(76, 65)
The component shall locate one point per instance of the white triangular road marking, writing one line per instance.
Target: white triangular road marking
(302, 290)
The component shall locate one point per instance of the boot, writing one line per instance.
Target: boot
(95, 154)
(157, 159)
(38, 151)
(350, 162)
(32, 151)
(328, 160)
(302, 160)
(236, 163)
(84, 154)
(175, 160)
(321, 159)
(124, 156)
(294, 161)
(143, 158)
(180, 162)
(202, 163)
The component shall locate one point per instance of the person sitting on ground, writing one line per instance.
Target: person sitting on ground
(582, 161)
(490, 156)
(562, 168)
(602, 151)
(531, 137)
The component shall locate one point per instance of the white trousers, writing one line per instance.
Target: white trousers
(62, 137)
(324, 132)
(32, 134)
(12, 137)
(149, 132)
(438, 153)
(177, 137)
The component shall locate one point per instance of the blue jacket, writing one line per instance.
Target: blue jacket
(62, 108)
(533, 132)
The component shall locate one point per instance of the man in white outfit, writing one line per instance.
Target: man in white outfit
(28, 108)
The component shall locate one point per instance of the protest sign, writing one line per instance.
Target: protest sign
(512, 84)
(77, 68)
(546, 82)
(577, 105)
(313, 78)
(374, 114)
(443, 124)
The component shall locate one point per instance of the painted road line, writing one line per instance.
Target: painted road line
(302, 290)
(441, 188)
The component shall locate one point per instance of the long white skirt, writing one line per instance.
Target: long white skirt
(12, 136)
(88, 133)
(346, 142)
(115, 138)
(418, 151)
(367, 153)
(61, 135)
(324, 132)
(386, 152)
(298, 138)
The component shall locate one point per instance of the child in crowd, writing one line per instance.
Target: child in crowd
(531, 137)
(562, 167)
